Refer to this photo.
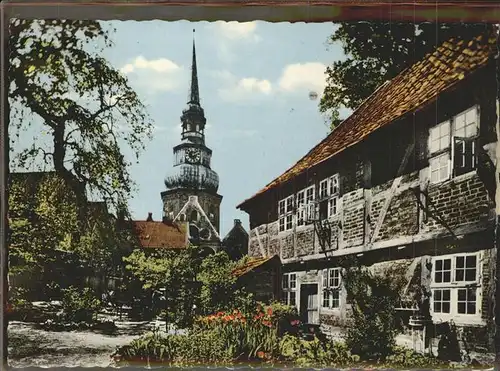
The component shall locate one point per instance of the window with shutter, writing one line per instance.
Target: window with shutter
(323, 209)
(464, 155)
(460, 134)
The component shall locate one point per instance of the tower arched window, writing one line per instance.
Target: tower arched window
(193, 216)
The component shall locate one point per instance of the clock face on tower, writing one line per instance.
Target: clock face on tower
(193, 155)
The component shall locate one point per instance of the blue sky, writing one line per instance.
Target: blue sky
(255, 79)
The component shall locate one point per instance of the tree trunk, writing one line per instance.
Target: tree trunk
(4, 176)
(70, 180)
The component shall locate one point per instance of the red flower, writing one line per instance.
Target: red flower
(258, 316)
(267, 323)
(270, 311)
(260, 354)
(295, 322)
(220, 314)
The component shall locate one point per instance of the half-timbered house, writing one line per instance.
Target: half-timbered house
(406, 180)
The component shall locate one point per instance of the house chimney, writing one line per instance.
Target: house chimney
(237, 222)
(150, 217)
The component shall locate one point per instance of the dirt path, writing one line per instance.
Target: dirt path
(29, 346)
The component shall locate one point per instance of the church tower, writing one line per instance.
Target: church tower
(192, 185)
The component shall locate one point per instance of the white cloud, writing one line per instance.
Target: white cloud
(237, 30)
(231, 36)
(158, 65)
(307, 77)
(156, 74)
(247, 88)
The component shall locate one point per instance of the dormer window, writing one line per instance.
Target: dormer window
(452, 146)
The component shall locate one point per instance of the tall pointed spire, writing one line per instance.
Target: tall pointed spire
(194, 96)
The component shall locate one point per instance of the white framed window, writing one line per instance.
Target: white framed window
(289, 289)
(439, 137)
(323, 188)
(442, 300)
(333, 185)
(331, 288)
(329, 199)
(332, 205)
(452, 146)
(440, 168)
(304, 198)
(466, 123)
(309, 194)
(455, 286)
(300, 207)
(285, 214)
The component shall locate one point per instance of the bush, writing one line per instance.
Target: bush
(79, 306)
(250, 335)
(18, 306)
(201, 347)
(373, 326)
(223, 337)
(402, 357)
(315, 353)
(107, 327)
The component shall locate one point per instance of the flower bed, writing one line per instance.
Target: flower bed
(221, 338)
(267, 335)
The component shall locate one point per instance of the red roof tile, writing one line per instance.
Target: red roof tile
(413, 88)
(153, 234)
(250, 265)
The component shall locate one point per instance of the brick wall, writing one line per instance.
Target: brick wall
(459, 201)
(353, 210)
(401, 218)
(305, 241)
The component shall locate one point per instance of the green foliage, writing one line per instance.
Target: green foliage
(377, 52)
(374, 297)
(315, 353)
(171, 271)
(189, 281)
(205, 347)
(88, 110)
(217, 283)
(80, 305)
(41, 215)
(221, 338)
(406, 358)
(18, 305)
(43, 220)
(248, 334)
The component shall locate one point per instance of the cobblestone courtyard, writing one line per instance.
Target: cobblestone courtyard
(30, 346)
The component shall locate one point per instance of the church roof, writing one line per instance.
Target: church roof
(412, 89)
(235, 231)
(160, 234)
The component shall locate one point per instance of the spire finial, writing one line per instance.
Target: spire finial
(194, 96)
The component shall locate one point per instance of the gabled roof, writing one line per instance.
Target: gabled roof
(250, 265)
(153, 234)
(412, 89)
(237, 229)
